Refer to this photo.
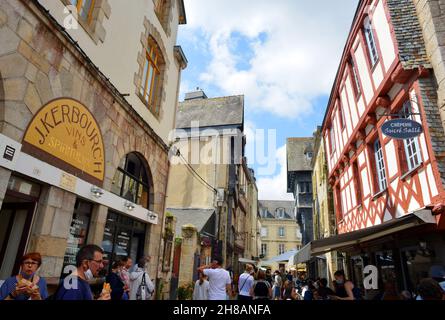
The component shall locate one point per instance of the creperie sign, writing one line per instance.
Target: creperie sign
(402, 129)
(65, 129)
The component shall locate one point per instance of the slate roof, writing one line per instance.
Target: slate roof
(408, 33)
(296, 150)
(273, 205)
(223, 111)
(196, 217)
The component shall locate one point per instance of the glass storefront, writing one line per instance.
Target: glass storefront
(123, 237)
(78, 233)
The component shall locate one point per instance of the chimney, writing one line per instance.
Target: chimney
(198, 94)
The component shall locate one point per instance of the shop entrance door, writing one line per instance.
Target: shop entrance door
(123, 237)
(15, 222)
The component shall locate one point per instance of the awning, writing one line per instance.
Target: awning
(244, 260)
(351, 239)
(200, 218)
(284, 257)
(303, 255)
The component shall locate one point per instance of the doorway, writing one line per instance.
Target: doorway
(16, 215)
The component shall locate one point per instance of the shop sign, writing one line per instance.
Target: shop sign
(68, 182)
(65, 129)
(402, 129)
(9, 151)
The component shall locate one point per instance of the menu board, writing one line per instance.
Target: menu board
(77, 236)
(122, 247)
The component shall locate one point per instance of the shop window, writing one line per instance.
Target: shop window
(123, 237)
(151, 81)
(133, 182)
(78, 233)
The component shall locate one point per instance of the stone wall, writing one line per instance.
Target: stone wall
(431, 15)
(39, 63)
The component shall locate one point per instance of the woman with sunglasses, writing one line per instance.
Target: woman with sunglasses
(27, 285)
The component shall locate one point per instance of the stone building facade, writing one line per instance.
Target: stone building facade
(89, 161)
(279, 232)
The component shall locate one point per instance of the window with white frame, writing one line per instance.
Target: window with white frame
(370, 42)
(264, 232)
(380, 165)
(281, 231)
(281, 248)
(264, 249)
(412, 149)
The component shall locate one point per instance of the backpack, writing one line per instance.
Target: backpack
(143, 293)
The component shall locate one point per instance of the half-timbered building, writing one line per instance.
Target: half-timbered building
(388, 193)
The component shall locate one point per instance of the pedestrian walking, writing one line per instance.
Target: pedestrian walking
(202, 287)
(125, 276)
(245, 283)
(277, 283)
(115, 281)
(26, 285)
(261, 289)
(220, 283)
(89, 262)
(141, 286)
(289, 292)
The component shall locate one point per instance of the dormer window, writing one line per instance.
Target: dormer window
(280, 213)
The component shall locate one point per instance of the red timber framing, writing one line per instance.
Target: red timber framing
(352, 165)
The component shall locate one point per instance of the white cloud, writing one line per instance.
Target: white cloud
(275, 188)
(295, 49)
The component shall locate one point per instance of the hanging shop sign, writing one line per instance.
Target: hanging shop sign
(65, 130)
(402, 129)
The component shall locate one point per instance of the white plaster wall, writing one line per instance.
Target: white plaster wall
(116, 57)
(383, 34)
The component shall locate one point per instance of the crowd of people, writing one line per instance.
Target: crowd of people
(125, 281)
(215, 283)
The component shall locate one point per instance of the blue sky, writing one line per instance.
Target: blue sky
(282, 55)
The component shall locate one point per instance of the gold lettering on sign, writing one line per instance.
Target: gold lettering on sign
(66, 129)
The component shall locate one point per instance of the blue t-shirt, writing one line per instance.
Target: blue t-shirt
(9, 286)
(82, 292)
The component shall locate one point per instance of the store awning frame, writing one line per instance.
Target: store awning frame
(318, 247)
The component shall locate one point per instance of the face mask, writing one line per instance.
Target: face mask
(89, 275)
(339, 281)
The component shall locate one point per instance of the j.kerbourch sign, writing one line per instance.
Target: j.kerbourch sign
(65, 129)
(402, 129)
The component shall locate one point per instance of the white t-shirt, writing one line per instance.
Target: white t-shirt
(218, 280)
(201, 291)
(244, 284)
